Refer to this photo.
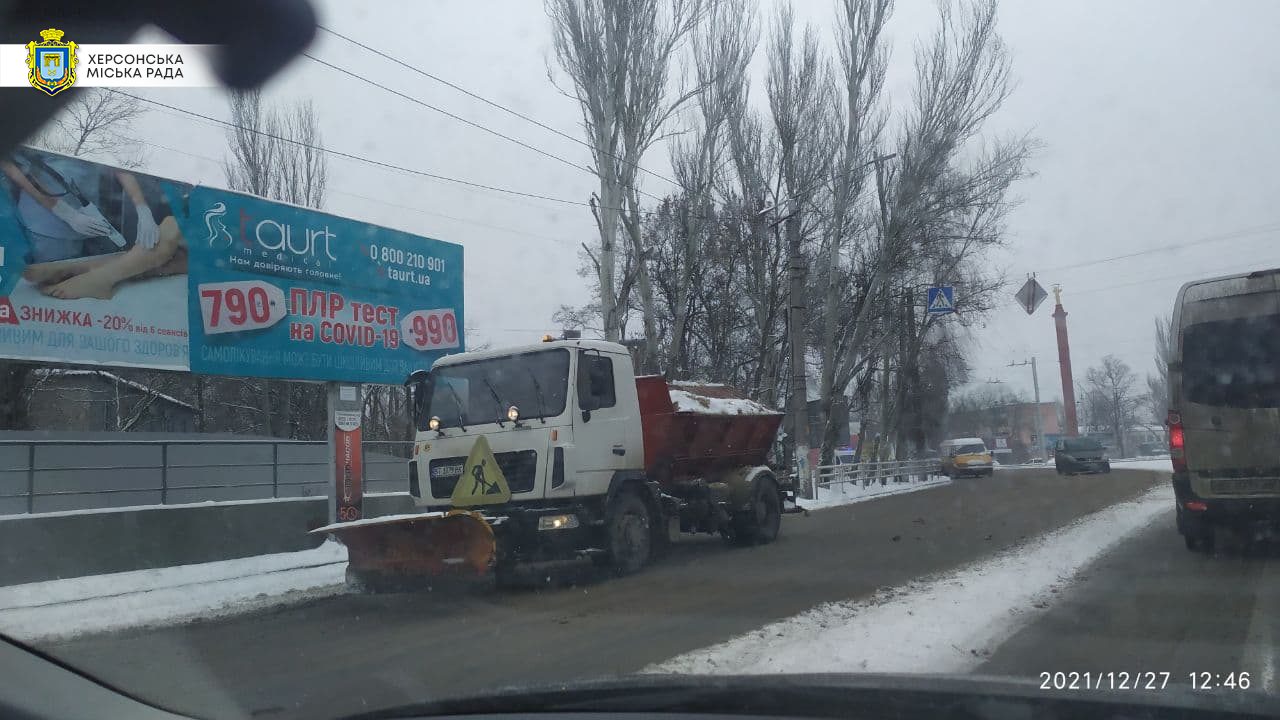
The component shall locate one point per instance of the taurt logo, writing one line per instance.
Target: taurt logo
(269, 236)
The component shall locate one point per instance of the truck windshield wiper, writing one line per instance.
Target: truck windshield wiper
(537, 388)
(501, 405)
(458, 401)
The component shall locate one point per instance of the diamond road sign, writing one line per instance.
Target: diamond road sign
(1030, 295)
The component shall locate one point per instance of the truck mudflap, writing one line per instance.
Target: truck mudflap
(418, 545)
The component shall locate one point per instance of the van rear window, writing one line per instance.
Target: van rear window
(1233, 363)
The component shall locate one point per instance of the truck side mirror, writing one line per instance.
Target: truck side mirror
(416, 386)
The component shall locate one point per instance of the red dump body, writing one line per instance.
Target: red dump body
(680, 444)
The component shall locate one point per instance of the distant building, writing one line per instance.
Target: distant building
(1009, 429)
(96, 400)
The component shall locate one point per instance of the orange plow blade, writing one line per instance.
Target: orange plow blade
(416, 546)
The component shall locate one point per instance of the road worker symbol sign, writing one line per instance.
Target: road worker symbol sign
(482, 482)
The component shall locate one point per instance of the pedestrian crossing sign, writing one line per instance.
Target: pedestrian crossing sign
(941, 300)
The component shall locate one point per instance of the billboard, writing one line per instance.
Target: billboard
(105, 266)
(284, 291)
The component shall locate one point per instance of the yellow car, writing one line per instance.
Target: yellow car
(965, 456)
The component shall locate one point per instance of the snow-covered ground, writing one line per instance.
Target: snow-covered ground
(849, 493)
(1145, 463)
(945, 624)
(60, 608)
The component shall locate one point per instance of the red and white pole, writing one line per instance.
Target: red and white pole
(1071, 427)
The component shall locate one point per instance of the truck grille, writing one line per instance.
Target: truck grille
(519, 468)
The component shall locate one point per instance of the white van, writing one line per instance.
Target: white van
(1224, 406)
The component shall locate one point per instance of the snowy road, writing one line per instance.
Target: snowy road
(332, 655)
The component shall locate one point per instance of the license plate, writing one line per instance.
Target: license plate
(440, 471)
(1245, 486)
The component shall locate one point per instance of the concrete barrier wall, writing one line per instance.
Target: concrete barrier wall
(47, 547)
(83, 476)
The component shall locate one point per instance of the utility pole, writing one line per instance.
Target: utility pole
(795, 336)
(1035, 382)
(799, 401)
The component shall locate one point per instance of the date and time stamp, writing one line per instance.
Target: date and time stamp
(1146, 680)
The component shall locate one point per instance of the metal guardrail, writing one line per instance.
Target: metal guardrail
(181, 471)
(875, 472)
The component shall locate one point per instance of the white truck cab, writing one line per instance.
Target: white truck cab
(560, 416)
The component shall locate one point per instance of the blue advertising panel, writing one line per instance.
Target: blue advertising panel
(92, 266)
(106, 266)
(282, 291)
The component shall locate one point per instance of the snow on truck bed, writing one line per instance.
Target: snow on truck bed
(713, 399)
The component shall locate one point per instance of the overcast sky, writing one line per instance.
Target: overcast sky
(1158, 120)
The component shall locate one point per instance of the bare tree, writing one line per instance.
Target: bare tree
(96, 122)
(863, 60)
(1112, 397)
(1158, 384)
(722, 50)
(277, 153)
(617, 56)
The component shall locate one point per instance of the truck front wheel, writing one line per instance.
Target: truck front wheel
(629, 533)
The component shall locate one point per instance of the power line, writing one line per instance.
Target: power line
(446, 113)
(383, 164)
(470, 123)
(351, 156)
(487, 101)
(379, 201)
(1231, 235)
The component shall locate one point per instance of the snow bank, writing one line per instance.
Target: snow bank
(944, 625)
(849, 493)
(1155, 463)
(61, 608)
(689, 402)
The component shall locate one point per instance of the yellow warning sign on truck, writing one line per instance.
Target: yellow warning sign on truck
(482, 482)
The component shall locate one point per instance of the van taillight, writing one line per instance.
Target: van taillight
(1177, 442)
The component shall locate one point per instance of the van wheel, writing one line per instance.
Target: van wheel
(628, 533)
(760, 524)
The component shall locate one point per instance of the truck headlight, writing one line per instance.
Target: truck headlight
(434, 423)
(558, 522)
(513, 413)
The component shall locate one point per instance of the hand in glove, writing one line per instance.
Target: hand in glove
(86, 223)
(148, 231)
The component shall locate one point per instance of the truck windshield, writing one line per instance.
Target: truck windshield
(1232, 363)
(460, 396)
(970, 449)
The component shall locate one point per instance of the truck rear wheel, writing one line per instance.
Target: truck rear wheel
(760, 524)
(628, 533)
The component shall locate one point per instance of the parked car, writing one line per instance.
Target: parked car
(1080, 455)
(965, 456)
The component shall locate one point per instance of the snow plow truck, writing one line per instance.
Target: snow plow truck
(557, 451)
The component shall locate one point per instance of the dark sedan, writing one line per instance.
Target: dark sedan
(1080, 455)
